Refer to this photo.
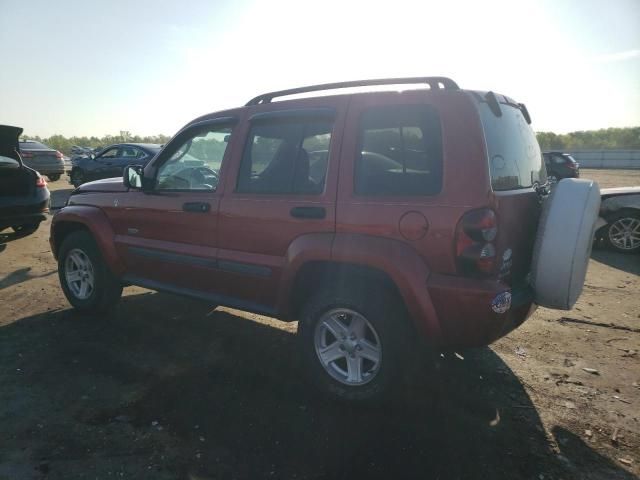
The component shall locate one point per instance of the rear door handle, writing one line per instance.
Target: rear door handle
(196, 207)
(309, 212)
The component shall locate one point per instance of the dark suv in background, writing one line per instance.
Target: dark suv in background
(560, 165)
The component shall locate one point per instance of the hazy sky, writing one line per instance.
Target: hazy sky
(98, 67)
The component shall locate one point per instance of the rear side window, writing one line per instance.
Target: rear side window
(400, 151)
(515, 160)
(285, 157)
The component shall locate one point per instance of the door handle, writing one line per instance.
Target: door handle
(309, 212)
(196, 207)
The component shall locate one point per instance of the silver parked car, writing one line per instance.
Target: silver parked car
(620, 208)
(42, 158)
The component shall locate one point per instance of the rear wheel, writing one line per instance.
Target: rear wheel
(351, 343)
(622, 233)
(86, 280)
(77, 177)
(54, 177)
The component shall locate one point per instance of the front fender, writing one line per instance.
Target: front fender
(95, 221)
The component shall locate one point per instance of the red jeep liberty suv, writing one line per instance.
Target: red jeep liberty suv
(370, 217)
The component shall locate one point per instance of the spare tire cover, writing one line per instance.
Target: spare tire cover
(563, 242)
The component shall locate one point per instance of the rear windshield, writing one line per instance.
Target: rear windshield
(515, 160)
(569, 157)
(31, 145)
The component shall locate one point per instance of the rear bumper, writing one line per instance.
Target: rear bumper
(469, 310)
(51, 170)
(24, 214)
(23, 219)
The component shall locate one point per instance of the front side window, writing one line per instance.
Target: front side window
(400, 151)
(195, 164)
(285, 158)
(111, 153)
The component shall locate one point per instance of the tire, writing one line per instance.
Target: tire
(77, 177)
(80, 254)
(335, 310)
(622, 232)
(563, 243)
(26, 229)
(54, 177)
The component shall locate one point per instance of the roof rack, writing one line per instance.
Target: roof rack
(435, 83)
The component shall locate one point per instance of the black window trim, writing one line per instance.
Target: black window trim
(299, 114)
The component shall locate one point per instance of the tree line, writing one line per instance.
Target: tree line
(606, 138)
(65, 144)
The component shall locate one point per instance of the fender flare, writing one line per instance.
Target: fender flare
(404, 267)
(97, 223)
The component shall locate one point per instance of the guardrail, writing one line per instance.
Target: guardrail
(614, 159)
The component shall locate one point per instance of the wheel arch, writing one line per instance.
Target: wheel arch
(91, 219)
(347, 258)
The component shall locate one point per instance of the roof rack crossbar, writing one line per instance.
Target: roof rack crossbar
(435, 83)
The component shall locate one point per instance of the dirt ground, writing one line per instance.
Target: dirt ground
(168, 388)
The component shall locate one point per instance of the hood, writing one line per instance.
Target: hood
(611, 192)
(105, 185)
(9, 145)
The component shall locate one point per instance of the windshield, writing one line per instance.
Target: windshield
(515, 160)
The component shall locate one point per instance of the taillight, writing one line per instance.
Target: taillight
(572, 165)
(58, 154)
(41, 182)
(26, 154)
(475, 251)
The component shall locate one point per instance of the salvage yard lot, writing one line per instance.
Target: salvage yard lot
(168, 388)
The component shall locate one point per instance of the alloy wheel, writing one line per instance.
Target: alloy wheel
(79, 274)
(348, 346)
(624, 233)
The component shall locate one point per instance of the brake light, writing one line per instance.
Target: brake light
(58, 154)
(41, 182)
(572, 165)
(475, 233)
(26, 154)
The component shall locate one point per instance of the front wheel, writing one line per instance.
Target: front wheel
(351, 343)
(622, 233)
(86, 280)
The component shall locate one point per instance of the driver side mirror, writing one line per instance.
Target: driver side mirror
(132, 177)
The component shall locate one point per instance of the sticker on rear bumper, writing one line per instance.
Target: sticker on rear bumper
(502, 302)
